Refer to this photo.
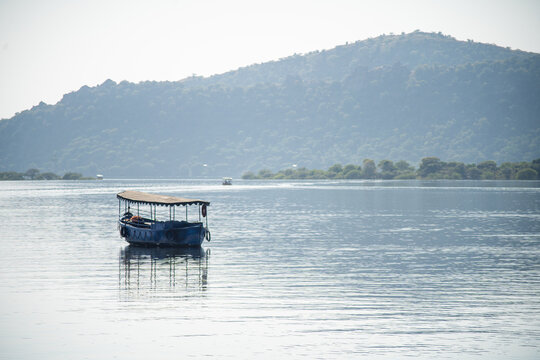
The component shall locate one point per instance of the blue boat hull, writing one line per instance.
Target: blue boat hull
(167, 233)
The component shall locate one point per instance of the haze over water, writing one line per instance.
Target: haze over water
(321, 269)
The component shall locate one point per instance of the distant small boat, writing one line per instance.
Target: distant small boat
(227, 181)
(148, 230)
(99, 177)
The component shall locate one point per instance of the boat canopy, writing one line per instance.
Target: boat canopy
(155, 199)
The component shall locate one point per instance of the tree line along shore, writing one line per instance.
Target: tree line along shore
(430, 168)
(35, 174)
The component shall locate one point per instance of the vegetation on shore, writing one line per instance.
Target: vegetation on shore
(390, 97)
(430, 168)
(35, 174)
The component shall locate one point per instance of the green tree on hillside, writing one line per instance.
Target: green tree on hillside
(335, 171)
(353, 174)
(265, 174)
(349, 167)
(31, 173)
(527, 174)
(429, 166)
(403, 166)
(48, 176)
(71, 176)
(11, 175)
(369, 169)
(388, 170)
(473, 172)
(535, 165)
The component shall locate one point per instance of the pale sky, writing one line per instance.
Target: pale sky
(50, 48)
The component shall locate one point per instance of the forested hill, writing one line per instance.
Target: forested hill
(391, 97)
(410, 50)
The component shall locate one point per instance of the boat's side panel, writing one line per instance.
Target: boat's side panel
(165, 234)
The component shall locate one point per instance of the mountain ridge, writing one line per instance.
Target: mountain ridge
(368, 53)
(375, 98)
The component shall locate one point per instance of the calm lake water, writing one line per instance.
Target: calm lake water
(315, 270)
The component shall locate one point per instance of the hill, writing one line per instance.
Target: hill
(392, 97)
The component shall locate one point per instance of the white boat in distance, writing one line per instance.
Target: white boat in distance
(227, 181)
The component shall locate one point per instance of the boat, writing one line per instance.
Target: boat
(227, 181)
(99, 177)
(139, 225)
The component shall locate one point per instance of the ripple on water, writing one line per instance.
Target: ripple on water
(314, 269)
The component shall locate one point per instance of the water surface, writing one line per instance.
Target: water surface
(312, 269)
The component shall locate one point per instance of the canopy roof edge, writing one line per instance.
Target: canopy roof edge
(155, 199)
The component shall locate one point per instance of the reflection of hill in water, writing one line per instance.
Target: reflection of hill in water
(144, 269)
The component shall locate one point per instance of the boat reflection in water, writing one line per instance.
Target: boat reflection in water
(147, 269)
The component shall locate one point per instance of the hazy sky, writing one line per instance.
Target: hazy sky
(49, 48)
